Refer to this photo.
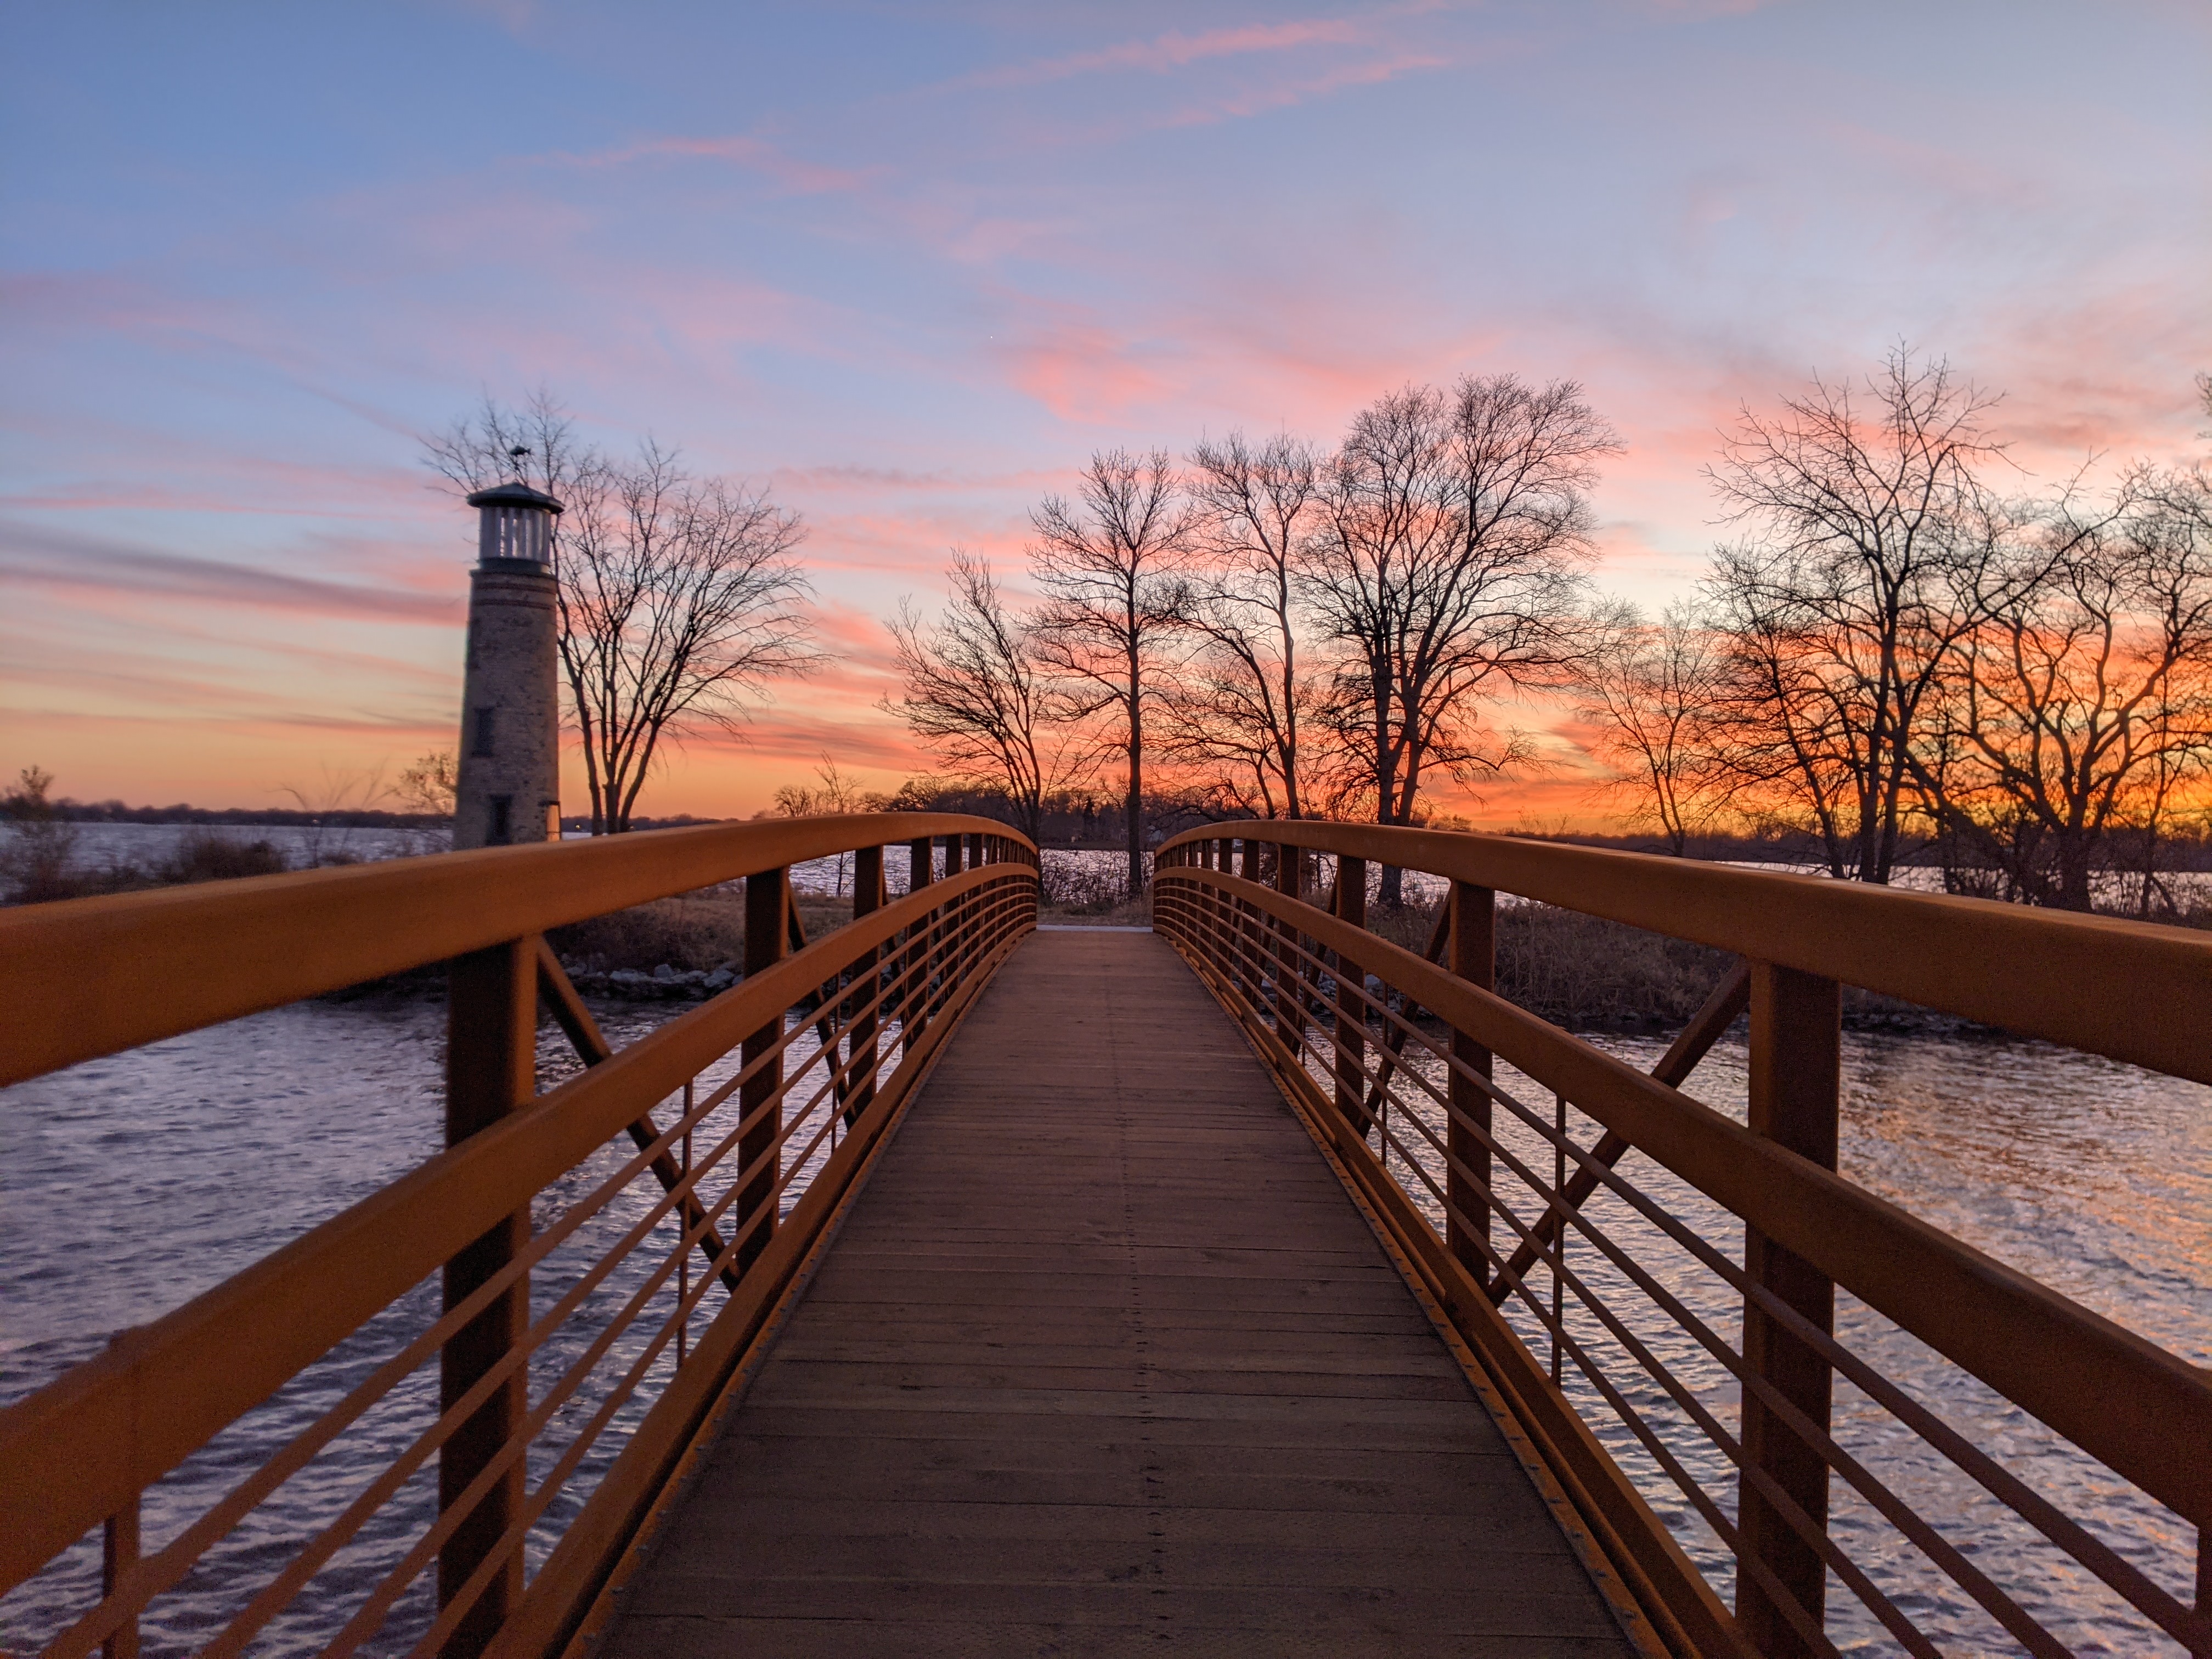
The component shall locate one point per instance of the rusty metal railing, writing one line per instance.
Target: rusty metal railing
(1649, 1286)
(439, 1419)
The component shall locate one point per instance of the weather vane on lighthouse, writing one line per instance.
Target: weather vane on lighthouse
(509, 785)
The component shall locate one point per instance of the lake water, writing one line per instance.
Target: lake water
(129, 1185)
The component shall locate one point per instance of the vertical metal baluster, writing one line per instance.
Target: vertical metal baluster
(683, 1251)
(118, 1551)
(867, 976)
(767, 919)
(1351, 1021)
(921, 856)
(1473, 959)
(1290, 972)
(1559, 1245)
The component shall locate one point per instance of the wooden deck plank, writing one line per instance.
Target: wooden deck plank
(1103, 1361)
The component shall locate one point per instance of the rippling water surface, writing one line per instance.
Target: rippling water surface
(130, 1184)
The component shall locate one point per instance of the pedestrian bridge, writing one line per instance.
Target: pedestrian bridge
(1250, 1284)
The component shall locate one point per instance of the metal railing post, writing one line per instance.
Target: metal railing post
(1797, 1068)
(768, 921)
(1251, 956)
(491, 1071)
(867, 977)
(1351, 1021)
(119, 1553)
(907, 1003)
(1290, 999)
(1467, 1179)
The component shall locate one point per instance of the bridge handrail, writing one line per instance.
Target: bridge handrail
(1313, 988)
(2029, 1342)
(2081, 980)
(81, 1451)
(85, 978)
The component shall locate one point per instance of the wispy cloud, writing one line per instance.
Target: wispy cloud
(797, 177)
(35, 555)
(1164, 52)
(1262, 99)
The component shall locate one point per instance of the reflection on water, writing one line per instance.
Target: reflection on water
(130, 1184)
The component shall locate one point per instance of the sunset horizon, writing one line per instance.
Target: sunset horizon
(908, 275)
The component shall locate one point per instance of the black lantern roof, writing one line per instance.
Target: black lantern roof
(514, 495)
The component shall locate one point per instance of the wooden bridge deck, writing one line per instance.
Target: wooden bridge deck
(1105, 1361)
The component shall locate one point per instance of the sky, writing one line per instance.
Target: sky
(908, 266)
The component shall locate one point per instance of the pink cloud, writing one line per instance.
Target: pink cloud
(1079, 369)
(32, 556)
(1260, 100)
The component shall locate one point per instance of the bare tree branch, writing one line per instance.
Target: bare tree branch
(1109, 564)
(974, 694)
(679, 599)
(1242, 710)
(1872, 541)
(1448, 566)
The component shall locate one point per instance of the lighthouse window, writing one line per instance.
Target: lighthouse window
(502, 812)
(484, 731)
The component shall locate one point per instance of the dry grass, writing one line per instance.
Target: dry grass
(1119, 913)
(691, 933)
(1582, 972)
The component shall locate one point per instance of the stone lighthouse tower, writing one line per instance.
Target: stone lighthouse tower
(509, 785)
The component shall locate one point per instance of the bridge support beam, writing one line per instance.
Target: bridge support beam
(1796, 1070)
(491, 1071)
(1466, 1180)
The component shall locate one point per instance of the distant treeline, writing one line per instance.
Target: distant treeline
(1071, 819)
(114, 811)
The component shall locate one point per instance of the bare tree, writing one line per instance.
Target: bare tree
(36, 843)
(1243, 707)
(1448, 566)
(974, 694)
(833, 794)
(2080, 701)
(535, 443)
(679, 598)
(1114, 598)
(428, 786)
(1652, 694)
(1872, 541)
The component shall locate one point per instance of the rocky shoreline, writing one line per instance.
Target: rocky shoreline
(665, 983)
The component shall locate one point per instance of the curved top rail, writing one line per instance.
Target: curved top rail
(2134, 991)
(82, 978)
(79, 1448)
